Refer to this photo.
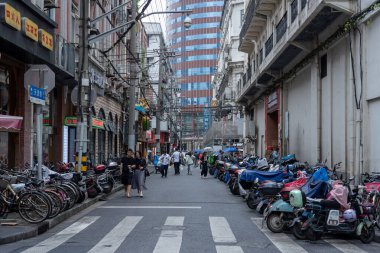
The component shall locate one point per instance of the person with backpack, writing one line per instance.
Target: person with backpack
(189, 162)
(176, 160)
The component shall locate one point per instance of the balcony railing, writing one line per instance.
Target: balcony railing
(294, 10)
(248, 18)
(281, 27)
(65, 55)
(269, 45)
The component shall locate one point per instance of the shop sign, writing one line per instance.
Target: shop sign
(96, 77)
(30, 29)
(37, 95)
(46, 39)
(12, 17)
(46, 121)
(96, 123)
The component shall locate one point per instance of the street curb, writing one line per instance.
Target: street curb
(48, 224)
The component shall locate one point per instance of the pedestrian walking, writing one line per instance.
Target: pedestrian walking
(165, 160)
(155, 163)
(176, 160)
(128, 165)
(204, 165)
(139, 173)
(189, 162)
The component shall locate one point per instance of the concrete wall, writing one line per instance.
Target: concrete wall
(260, 124)
(300, 119)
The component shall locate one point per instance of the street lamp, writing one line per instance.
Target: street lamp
(187, 22)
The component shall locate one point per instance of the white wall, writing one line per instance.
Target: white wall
(300, 118)
(259, 116)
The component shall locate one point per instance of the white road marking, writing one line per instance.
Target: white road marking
(344, 246)
(228, 249)
(174, 221)
(170, 240)
(152, 207)
(221, 231)
(61, 237)
(112, 241)
(283, 243)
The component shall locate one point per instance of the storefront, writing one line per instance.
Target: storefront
(69, 135)
(26, 37)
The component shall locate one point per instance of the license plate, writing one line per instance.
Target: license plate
(333, 219)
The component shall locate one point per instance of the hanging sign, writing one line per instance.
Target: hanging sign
(11, 16)
(96, 123)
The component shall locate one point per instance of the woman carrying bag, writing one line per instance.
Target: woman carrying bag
(189, 162)
(139, 173)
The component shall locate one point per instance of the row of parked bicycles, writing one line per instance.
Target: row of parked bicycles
(309, 201)
(59, 190)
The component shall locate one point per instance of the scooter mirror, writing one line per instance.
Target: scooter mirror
(352, 178)
(256, 180)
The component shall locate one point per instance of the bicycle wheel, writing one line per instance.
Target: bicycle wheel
(63, 195)
(377, 209)
(71, 196)
(34, 207)
(57, 203)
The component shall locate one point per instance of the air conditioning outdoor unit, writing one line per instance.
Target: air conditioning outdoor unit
(62, 53)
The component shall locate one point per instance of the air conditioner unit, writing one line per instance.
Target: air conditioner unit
(62, 53)
(49, 4)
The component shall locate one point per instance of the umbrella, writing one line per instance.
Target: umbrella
(197, 151)
(206, 149)
(227, 150)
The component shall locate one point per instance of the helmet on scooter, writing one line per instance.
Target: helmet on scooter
(349, 215)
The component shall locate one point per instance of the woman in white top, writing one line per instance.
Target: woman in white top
(189, 162)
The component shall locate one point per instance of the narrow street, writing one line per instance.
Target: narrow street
(177, 214)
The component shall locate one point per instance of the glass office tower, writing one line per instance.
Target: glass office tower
(195, 63)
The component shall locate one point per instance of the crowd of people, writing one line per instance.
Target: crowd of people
(134, 167)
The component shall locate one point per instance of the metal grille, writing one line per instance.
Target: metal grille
(269, 45)
(281, 27)
(294, 9)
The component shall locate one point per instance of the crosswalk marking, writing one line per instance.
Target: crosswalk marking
(151, 207)
(283, 243)
(228, 249)
(112, 241)
(344, 246)
(170, 239)
(174, 221)
(221, 231)
(61, 237)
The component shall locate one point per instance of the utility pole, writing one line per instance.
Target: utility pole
(83, 83)
(132, 88)
(160, 100)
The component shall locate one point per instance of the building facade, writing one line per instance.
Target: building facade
(227, 116)
(309, 84)
(197, 49)
(38, 32)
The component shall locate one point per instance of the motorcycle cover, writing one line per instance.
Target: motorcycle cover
(251, 175)
(315, 189)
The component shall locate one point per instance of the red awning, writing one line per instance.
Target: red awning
(10, 123)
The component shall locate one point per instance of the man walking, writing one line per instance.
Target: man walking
(176, 159)
(165, 159)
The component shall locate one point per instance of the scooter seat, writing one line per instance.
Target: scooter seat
(330, 204)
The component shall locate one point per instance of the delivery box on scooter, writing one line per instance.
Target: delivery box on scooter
(297, 198)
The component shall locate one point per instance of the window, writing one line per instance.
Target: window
(324, 66)
(206, 15)
(202, 36)
(241, 17)
(201, 47)
(203, 26)
(201, 57)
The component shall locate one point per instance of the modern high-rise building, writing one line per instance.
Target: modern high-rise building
(195, 63)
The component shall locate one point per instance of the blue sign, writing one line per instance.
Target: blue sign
(206, 118)
(37, 95)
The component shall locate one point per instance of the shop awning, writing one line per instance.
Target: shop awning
(10, 123)
(140, 109)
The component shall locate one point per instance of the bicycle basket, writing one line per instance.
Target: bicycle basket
(3, 184)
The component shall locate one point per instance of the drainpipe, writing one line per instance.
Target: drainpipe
(319, 111)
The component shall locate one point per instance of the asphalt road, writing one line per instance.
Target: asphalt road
(177, 214)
